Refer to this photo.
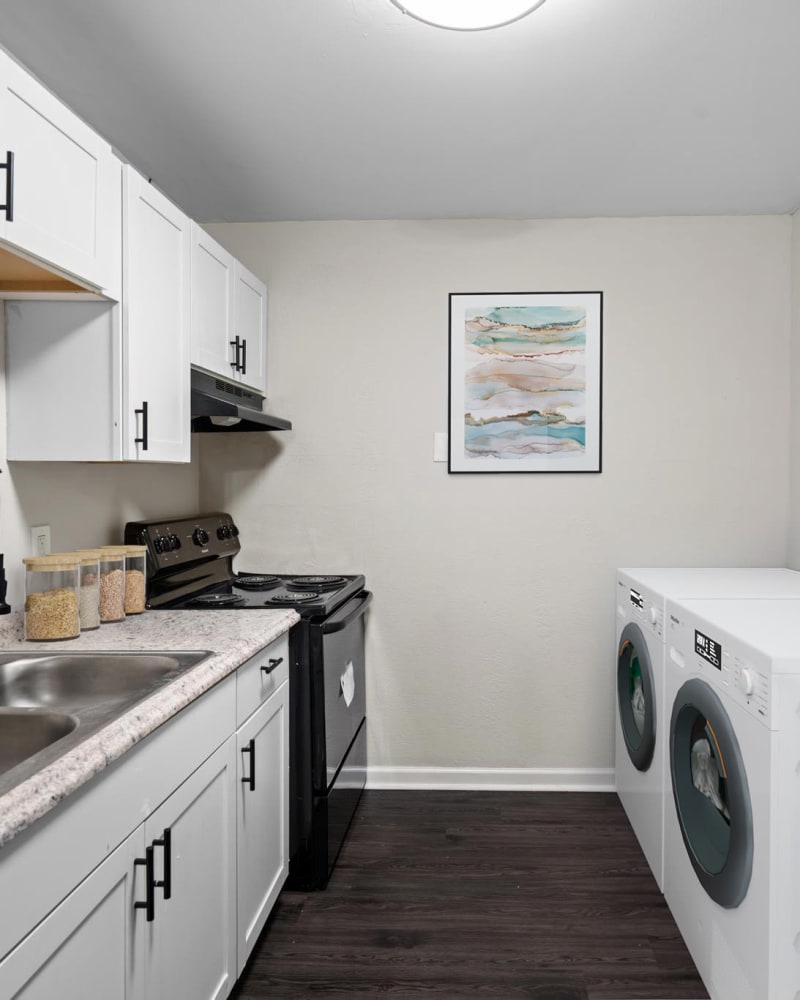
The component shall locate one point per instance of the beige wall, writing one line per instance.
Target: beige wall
(83, 504)
(794, 459)
(490, 642)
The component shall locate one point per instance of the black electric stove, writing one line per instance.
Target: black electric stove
(190, 567)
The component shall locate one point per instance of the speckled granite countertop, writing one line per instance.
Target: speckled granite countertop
(233, 637)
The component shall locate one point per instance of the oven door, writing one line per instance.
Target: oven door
(339, 694)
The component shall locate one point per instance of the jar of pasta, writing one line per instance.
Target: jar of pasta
(135, 581)
(51, 598)
(112, 583)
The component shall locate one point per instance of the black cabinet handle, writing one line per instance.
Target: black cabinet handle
(149, 905)
(8, 166)
(143, 439)
(165, 841)
(272, 664)
(243, 369)
(237, 347)
(250, 749)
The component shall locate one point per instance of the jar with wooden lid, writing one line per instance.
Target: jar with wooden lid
(135, 580)
(51, 598)
(89, 597)
(112, 583)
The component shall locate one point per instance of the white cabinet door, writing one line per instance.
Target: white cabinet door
(212, 305)
(263, 816)
(66, 200)
(155, 325)
(188, 950)
(84, 949)
(251, 328)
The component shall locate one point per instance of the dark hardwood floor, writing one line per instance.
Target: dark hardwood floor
(545, 896)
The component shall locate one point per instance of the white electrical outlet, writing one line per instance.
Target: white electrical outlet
(40, 540)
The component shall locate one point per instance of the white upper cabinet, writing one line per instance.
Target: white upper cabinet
(155, 325)
(229, 315)
(212, 304)
(60, 185)
(251, 329)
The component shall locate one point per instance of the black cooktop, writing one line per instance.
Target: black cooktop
(308, 595)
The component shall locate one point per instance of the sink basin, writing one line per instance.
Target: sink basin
(23, 734)
(89, 678)
(50, 704)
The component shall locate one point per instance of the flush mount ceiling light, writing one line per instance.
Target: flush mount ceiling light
(467, 15)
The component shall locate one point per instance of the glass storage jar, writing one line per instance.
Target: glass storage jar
(112, 583)
(135, 580)
(89, 598)
(51, 598)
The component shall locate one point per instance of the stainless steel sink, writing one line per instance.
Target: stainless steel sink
(50, 704)
(25, 733)
(70, 678)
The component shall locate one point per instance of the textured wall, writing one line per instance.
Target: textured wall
(794, 506)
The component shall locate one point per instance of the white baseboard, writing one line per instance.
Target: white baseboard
(494, 779)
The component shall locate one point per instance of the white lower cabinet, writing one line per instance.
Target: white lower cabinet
(85, 947)
(174, 910)
(187, 951)
(262, 829)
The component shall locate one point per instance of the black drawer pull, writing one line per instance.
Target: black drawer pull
(165, 841)
(8, 166)
(237, 347)
(272, 664)
(243, 369)
(149, 905)
(250, 780)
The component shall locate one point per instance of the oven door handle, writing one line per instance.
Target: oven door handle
(341, 619)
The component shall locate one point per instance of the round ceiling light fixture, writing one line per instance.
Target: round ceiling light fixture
(467, 15)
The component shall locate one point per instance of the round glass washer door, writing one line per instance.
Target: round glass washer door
(711, 793)
(636, 696)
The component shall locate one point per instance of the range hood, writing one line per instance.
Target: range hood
(218, 406)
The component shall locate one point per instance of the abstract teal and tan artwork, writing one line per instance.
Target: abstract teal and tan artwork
(525, 382)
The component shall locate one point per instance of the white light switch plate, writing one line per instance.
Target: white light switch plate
(440, 446)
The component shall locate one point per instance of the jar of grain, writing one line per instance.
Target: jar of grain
(89, 598)
(134, 579)
(112, 583)
(51, 598)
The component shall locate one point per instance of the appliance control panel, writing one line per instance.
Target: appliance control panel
(176, 541)
(722, 662)
(643, 608)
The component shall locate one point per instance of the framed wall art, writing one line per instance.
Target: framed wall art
(525, 382)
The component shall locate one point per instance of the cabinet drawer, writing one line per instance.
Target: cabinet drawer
(262, 675)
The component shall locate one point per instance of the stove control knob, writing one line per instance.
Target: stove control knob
(200, 536)
(158, 544)
(174, 542)
(234, 530)
(223, 531)
(745, 681)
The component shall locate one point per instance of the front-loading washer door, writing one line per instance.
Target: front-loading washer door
(636, 696)
(711, 793)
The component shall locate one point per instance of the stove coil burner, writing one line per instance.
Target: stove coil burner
(298, 597)
(217, 600)
(315, 582)
(256, 581)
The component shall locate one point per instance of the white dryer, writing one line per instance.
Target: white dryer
(732, 812)
(640, 747)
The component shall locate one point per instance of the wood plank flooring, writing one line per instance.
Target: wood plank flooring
(545, 896)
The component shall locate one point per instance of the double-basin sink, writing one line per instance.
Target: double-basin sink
(49, 704)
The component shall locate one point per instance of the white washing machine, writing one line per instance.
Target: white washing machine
(640, 749)
(732, 811)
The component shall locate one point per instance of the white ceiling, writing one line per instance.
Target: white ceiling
(348, 109)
